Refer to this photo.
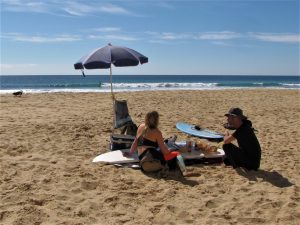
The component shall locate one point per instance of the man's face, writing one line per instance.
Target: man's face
(233, 121)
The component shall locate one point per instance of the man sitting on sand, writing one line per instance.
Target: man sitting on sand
(248, 153)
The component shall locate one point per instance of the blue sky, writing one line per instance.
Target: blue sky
(251, 37)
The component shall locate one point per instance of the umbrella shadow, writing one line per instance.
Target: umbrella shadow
(273, 177)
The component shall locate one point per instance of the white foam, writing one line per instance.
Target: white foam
(160, 86)
(131, 87)
(290, 85)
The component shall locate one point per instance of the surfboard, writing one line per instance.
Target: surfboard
(128, 165)
(116, 157)
(202, 132)
(198, 154)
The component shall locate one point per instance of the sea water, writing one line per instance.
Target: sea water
(121, 83)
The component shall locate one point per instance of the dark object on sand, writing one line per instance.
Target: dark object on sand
(18, 93)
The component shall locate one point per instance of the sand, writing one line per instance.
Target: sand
(48, 142)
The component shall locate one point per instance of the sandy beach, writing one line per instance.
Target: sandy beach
(48, 141)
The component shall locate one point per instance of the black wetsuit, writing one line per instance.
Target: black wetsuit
(248, 153)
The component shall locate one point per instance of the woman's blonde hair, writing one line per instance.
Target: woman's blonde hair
(151, 119)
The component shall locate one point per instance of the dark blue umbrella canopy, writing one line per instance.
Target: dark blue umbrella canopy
(102, 58)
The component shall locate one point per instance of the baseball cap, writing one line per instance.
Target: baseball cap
(236, 112)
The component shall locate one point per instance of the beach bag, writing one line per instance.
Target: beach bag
(149, 164)
(120, 141)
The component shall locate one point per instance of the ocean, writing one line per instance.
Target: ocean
(101, 83)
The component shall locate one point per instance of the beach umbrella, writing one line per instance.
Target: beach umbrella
(103, 58)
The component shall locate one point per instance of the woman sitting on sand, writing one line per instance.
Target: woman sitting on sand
(149, 138)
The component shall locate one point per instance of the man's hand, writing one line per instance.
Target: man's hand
(226, 133)
(228, 138)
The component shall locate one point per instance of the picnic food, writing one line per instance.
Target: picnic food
(205, 146)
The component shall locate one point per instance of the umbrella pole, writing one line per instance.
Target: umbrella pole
(113, 99)
(111, 88)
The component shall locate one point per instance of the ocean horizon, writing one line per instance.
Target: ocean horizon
(124, 83)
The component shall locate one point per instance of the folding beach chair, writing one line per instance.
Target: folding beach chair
(123, 121)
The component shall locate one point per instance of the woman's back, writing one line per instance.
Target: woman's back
(147, 136)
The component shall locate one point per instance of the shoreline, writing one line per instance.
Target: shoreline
(48, 142)
(38, 91)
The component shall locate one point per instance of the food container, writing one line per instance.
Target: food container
(190, 145)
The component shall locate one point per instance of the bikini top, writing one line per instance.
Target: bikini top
(142, 141)
(146, 142)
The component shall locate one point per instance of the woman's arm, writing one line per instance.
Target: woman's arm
(228, 138)
(161, 143)
(135, 142)
(133, 146)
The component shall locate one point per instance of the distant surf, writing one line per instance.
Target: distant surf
(122, 83)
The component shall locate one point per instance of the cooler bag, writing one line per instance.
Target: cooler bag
(120, 141)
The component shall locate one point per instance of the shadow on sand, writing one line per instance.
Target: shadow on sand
(176, 176)
(172, 175)
(272, 177)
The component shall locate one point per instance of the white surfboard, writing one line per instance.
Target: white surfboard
(116, 157)
(200, 155)
(196, 154)
(128, 165)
